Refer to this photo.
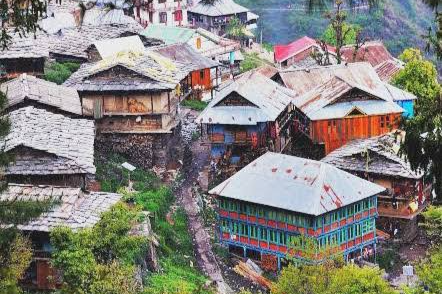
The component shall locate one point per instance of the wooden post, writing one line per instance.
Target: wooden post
(151, 102)
(168, 101)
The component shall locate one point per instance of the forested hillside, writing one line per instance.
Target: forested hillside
(399, 23)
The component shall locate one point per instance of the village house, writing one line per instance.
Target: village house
(27, 90)
(375, 53)
(377, 160)
(134, 98)
(73, 208)
(303, 52)
(220, 49)
(216, 17)
(204, 76)
(25, 54)
(164, 12)
(248, 116)
(274, 205)
(49, 149)
(339, 103)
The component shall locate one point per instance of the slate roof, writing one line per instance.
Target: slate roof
(296, 184)
(268, 97)
(28, 46)
(185, 54)
(360, 74)
(383, 157)
(218, 8)
(284, 52)
(153, 72)
(70, 141)
(27, 87)
(74, 42)
(73, 209)
(322, 102)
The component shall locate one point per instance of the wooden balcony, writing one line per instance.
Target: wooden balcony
(402, 210)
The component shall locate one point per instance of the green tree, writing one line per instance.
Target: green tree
(429, 272)
(235, 28)
(101, 259)
(433, 222)
(329, 35)
(419, 76)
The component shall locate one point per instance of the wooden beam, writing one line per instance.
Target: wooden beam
(168, 101)
(151, 102)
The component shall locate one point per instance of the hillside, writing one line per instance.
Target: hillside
(399, 23)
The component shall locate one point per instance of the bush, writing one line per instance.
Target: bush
(194, 104)
(59, 72)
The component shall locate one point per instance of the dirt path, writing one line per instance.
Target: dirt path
(203, 249)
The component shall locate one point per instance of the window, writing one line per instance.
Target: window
(358, 230)
(161, 1)
(342, 238)
(264, 234)
(252, 209)
(350, 211)
(382, 121)
(163, 17)
(233, 206)
(387, 120)
(235, 228)
(272, 214)
(334, 216)
(367, 226)
(202, 74)
(350, 233)
(224, 204)
(290, 219)
(327, 219)
(357, 207)
(253, 232)
(242, 208)
(244, 230)
(272, 236)
(198, 43)
(178, 15)
(319, 222)
(282, 239)
(261, 212)
(225, 225)
(281, 216)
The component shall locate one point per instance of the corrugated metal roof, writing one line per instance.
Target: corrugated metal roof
(296, 184)
(268, 97)
(284, 52)
(373, 52)
(109, 47)
(218, 8)
(168, 34)
(387, 69)
(185, 54)
(360, 74)
(383, 157)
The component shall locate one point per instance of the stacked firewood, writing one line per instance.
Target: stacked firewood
(248, 272)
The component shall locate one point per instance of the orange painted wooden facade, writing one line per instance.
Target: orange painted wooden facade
(202, 78)
(336, 133)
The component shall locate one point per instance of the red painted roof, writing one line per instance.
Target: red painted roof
(283, 52)
(373, 52)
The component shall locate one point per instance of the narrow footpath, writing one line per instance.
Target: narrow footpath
(205, 257)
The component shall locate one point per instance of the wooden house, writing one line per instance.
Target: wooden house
(49, 149)
(134, 98)
(25, 54)
(247, 116)
(74, 209)
(269, 207)
(162, 12)
(201, 80)
(27, 90)
(216, 17)
(377, 160)
(340, 103)
(300, 53)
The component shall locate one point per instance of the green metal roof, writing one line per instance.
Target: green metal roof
(170, 35)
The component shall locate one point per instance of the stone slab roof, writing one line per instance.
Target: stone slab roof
(383, 158)
(29, 46)
(149, 70)
(27, 87)
(69, 141)
(74, 208)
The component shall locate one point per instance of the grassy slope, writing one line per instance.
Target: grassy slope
(399, 23)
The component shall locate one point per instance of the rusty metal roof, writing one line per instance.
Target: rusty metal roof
(373, 52)
(383, 157)
(268, 98)
(296, 184)
(387, 69)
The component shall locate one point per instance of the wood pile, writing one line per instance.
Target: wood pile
(246, 271)
(269, 262)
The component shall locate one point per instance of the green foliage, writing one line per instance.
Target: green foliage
(429, 272)
(419, 77)
(251, 61)
(60, 72)
(267, 46)
(433, 222)
(330, 278)
(387, 259)
(194, 104)
(156, 201)
(329, 35)
(102, 258)
(235, 29)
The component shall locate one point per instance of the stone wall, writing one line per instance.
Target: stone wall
(142, 150)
